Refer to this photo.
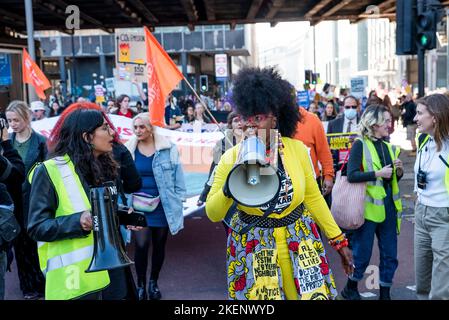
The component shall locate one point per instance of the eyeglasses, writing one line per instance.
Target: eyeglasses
(258, 118)
(106, 127)
(353, 107)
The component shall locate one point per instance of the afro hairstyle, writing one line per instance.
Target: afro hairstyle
(261, 91)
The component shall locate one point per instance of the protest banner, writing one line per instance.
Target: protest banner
(341, 142)
(358, 86)
(195, 151)
(303, 98)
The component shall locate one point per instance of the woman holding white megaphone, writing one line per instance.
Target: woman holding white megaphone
(274, 250)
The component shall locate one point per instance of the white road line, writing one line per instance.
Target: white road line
(368, 294)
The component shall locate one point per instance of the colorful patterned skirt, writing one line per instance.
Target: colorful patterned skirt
(278, 263)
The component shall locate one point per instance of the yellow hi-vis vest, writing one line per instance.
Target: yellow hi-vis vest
(63, 262)
(375, 192)
(421, 140)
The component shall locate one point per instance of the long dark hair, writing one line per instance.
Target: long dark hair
(120, 100)
(70, 141)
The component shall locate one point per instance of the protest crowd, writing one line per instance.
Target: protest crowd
(275, 241)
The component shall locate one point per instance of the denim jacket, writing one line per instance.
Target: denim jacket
(169, 176)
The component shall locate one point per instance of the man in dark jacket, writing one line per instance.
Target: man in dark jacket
(408, 114)
(344, 124)
(32, 281)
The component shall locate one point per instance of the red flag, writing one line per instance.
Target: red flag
(163, 77)
(33, 75)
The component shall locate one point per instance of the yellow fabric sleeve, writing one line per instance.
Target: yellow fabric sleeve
(300, 170)
(217, 204)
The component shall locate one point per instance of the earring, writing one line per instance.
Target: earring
(91, 145)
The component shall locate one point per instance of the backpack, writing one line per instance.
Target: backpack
(9, 227)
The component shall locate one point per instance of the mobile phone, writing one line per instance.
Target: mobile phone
(134, 218)
(3, 123)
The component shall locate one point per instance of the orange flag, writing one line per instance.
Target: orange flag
(33, 75)
(163, 77)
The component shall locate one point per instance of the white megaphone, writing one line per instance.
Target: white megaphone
(252, 181)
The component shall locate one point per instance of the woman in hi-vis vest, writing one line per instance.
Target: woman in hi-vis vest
(432, 205)
(274, 250)
(60, 211)
(381, 171)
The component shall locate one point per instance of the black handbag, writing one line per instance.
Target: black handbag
(9, 227)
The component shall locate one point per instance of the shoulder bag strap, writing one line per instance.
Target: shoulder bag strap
(346, 159)
(444, 161)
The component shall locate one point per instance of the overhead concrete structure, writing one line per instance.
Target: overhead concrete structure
(110, 14)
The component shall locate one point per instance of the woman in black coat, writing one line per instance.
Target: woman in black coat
(12, 174)
(32, 148)
(128, 181)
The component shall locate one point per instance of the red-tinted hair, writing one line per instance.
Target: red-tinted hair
(51, 142)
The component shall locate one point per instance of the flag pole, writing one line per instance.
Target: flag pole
(207, 109)
(201, 101)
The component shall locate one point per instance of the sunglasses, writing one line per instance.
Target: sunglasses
(353, 107)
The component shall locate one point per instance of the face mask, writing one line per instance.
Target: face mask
(350, 113)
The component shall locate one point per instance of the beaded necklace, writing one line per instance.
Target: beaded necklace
(271, 158)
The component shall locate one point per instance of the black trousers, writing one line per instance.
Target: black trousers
(327, 198)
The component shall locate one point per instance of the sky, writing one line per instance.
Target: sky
(281, 34)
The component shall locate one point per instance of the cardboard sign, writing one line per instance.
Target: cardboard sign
(130, 55)
(303, 98)
(358, 86)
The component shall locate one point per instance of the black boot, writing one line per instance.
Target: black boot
(153, 290)
(350, 291)
(141, 290)
(384, 293)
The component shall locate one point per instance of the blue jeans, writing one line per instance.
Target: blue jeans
(362, 244)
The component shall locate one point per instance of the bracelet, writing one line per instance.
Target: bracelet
(339, 242)
(340, 237)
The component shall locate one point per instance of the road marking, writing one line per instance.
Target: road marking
(413, 288)
(368, 294)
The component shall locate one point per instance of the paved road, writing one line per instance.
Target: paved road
(195, 262)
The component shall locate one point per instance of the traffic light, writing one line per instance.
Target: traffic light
(315, 77)
(406, 12)
(204, 85)
(427, 30)
(427, 25)
(308, 76)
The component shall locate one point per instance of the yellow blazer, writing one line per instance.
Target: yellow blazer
(300, 169)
